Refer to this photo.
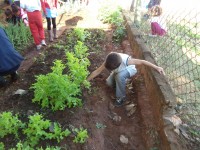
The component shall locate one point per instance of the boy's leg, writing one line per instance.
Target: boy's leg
(120, 80)
(110, 81)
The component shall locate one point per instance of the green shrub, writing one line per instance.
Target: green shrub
(19, 35)
(9, 124)
(81, 135)
(56, 90)
(39, 129)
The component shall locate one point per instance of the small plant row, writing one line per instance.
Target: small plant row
(90, 37)
(19, 35)
(35, 130)
(56, 90)
(114, 16)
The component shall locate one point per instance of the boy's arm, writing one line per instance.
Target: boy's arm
(144, 62)
(96, 72)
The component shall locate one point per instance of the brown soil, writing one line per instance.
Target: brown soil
(97, 105)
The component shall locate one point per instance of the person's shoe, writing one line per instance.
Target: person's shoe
(3, 82)
(55, 33)
(43, 43)
(14, 76)
(50, 36)
(152, 35)
(119, 101)
(38, 47)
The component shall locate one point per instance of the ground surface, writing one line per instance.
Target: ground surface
(97, 107)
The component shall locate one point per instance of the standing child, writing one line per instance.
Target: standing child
(122, 67)
(50, 10)
(33, 9)
(158, 26)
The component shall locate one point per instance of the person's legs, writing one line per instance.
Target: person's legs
(48, 23)
(120, 79)
(12, 72)
(49, 29)
(33, 28)
(156, 29)
(110, 81)
(39, 24)
(54, 28)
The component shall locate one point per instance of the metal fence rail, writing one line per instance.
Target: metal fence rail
(178, 52)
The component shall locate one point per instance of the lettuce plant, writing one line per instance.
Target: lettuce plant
(81, 135)
(9, 124)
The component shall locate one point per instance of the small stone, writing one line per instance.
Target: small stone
(29, 112)
(123, 139)
(129, 107)
(111, 106)
(131, 112)
(20, 92)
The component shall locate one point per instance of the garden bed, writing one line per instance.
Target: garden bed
(105, 123)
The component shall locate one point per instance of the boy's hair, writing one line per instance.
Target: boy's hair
(15, 8)
(8, 12)
(113, 61)
(156, 10)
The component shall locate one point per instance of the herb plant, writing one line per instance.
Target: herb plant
(39, 129)
(36, 129)
(9, 124)
(56, 90)
(81, 135)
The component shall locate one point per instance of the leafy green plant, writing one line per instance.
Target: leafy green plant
(19, 35)
(24, 146)
(39, 129)
(56, 90)
(2, 147)
(78, 70)
(9, 124)
(114, 17)
(36, 129)
(57, 132)
(81, 135)
(77, 34)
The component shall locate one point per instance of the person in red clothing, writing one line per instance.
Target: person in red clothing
(50, 10)
(33, 9)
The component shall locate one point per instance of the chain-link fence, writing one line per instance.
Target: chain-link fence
(178, 51)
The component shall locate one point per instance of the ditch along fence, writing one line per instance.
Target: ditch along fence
(178, 52)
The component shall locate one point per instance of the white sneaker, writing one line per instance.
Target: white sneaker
(151, 35)
(43, 43)
(38, 47)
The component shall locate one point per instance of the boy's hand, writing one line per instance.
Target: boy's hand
(160, 70)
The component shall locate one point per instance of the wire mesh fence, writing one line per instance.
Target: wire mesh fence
(177, 50)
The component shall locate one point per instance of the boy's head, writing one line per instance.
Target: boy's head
(8, 13)
(156, 10)
(113, 61)
(16, 10)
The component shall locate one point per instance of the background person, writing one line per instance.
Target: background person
(33, 9)
(158, 25)
(50, 10)
(20, 14)
(10, 59)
